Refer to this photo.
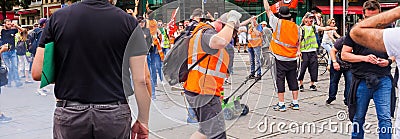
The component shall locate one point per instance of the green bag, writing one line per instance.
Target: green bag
(48, 69)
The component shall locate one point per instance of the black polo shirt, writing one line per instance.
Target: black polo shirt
(92, 51)
(8, 36)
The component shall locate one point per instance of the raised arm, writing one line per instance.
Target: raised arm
(267, 8)
(369, 33)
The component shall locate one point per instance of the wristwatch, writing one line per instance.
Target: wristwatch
(334, 61)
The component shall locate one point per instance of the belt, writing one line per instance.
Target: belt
(67, 103)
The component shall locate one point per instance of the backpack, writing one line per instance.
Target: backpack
(3, 74)
(34, 37)
(175, 67)
(21, 48)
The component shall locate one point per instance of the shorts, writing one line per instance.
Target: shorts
(286, 69)
(242, 40)
(209, 114)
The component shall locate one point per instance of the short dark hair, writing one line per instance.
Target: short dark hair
(371, 5)
(7, 20)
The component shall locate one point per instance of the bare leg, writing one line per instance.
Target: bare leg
(295, 95)
(281, 97)
(198, 135)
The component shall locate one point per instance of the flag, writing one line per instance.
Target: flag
(172, 27)
(292, 4)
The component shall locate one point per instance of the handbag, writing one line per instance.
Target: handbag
(3, 74)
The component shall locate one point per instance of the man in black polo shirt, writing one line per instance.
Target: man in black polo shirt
(95, 45)
(10, 57)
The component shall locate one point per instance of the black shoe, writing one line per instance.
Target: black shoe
(245, 51)
(301, 88)
(329, 101)
(238, 51)
(258, 77)
(252, 77)
(313, 88)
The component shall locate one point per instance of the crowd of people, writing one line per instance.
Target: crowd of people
(147, 41)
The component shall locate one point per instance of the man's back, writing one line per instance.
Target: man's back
(90, 40)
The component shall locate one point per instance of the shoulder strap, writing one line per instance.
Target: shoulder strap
(203, 57)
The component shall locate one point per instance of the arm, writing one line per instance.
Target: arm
(222, 39)
(332, 54)
(347, 55)
(38, 64)
(336, 34)
(139, 71)
(245, 22)
(369, 32)
(327, 28)
(18, 27)
(267, 8)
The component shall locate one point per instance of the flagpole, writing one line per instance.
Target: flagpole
(202, 6)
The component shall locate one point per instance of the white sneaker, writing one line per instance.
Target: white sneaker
(40, 92)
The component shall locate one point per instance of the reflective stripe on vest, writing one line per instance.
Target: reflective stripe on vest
(310, 40)
(215, 72)
(278, 37)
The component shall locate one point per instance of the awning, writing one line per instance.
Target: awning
(25, 12)
(389, 5)
(339, 9)
(10, 15)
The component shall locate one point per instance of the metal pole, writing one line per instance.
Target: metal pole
(331, 9)
(202, 6)
(344, 17)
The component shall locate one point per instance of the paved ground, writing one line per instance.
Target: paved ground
(32, 114)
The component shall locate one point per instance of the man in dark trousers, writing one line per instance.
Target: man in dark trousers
(92, 62)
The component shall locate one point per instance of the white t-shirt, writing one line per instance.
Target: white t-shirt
(392, 43)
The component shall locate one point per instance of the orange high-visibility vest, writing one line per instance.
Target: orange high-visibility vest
(208, 76)
(156, 42)
(255, 40)
(285, 39)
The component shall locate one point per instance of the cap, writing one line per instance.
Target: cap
(224, 19)
(264, 23)
(309, 15)
(42, 21)
(284, 11)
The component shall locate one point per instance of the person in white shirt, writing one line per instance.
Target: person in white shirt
(370, 33)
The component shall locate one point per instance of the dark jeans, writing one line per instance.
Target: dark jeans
(310, 61)
(92, 122)
(334, 81)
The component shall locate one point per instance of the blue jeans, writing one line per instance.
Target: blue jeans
(334, 81)
(327, 47)
(153, 88)
(381, 97)
(11, 61)
(165, 51)
(255, 58)
(156, 65)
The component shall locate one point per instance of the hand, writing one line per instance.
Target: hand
(299, 54)
(4, 48)
(371, 59)
(383, 62)
(336, 66)
(129, 11)
(136, 2)
(140, 131)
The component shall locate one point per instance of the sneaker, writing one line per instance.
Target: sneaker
(301, 88)
(279, 108)
(19, 84)
(4, 118)
(313, 88)
(294, 106)
(40, 92)
(227, 82)
(252, 77)
(258, 77)
(329, 101)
